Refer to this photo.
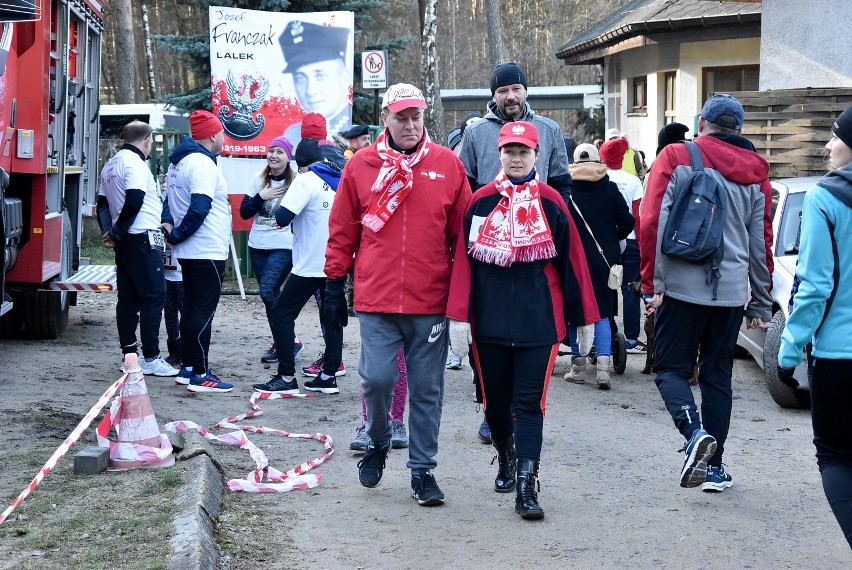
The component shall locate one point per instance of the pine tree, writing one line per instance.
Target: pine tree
(194, 50)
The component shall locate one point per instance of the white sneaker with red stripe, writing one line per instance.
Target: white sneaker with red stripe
(208, 383)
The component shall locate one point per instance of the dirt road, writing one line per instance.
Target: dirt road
(608, 472)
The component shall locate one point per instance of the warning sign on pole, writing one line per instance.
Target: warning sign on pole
(374, 69)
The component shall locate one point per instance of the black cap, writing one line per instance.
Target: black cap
(308, 152)
(671, 133)
(509, 73)
(843, 127)
(356, 131)
(304, 43)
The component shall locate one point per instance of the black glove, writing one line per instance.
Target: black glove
(333, 309)
(786, 376)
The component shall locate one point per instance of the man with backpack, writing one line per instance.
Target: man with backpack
(705, 244)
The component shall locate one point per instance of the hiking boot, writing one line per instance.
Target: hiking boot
(425, 489)
(454, 362)
(717, 480)
(484, 433)
(577, 374)
(208, 383)
(699, 448)
(370, 468)
(324, 384)
(507, 464)
(399, 439)
(635, 346)
(603, 373)
(526, 495)
(157, 367)
(279, 384)
(361, 439)
(271, 356)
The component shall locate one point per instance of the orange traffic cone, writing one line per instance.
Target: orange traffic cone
(140, 443)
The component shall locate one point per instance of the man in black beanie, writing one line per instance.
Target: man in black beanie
(671, 133)
(479, 152)
(307, 153)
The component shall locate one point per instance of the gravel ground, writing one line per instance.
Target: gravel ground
(609, 466)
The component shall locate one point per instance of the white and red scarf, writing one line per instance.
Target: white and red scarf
(515, 230)
(394, 182)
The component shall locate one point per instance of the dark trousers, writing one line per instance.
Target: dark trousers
(630, 302)
(831, 402)
(141, 294)
(202, 285)
(680, 328)
(172, 308)
(514, 383)
(271, 267)
(295, 293)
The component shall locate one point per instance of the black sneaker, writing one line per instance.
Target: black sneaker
(271, 356)
(370, 468)
(279, 385)
(322, 383)
(425, 489)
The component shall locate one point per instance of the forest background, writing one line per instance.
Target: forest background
(469, 37)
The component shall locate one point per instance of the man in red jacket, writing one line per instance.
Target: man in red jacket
(399, 207)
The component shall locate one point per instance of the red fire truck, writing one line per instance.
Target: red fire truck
(50, 54)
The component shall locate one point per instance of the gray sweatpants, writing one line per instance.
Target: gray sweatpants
(425, 340)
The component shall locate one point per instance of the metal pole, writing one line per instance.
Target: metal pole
(375, 106)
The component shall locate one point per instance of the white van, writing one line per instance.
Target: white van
(112, 118)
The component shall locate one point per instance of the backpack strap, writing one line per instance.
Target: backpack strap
(694, 155)
(712, 266)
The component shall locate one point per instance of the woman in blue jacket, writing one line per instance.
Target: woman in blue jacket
(822, 315)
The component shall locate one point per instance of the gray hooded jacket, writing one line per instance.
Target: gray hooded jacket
(481, 158)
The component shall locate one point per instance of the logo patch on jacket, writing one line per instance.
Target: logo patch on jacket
(432, 175)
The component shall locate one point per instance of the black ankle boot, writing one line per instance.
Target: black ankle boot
(507, 463)
(526, 499)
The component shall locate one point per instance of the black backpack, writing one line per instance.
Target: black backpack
(694, 228)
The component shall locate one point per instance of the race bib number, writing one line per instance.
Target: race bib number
(157, 240)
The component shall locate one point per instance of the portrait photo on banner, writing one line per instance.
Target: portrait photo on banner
(269, 69)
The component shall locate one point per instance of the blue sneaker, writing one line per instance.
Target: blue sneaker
(183, 376)
(298, 347)
(717, 480)
(208, 383)
(700, 447)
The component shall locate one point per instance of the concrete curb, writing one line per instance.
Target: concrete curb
(198, 503)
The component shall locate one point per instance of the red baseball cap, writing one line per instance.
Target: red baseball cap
(518, 132)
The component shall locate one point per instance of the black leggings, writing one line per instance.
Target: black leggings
(831, 400)
(514, 383)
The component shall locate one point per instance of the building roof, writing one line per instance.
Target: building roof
(643, 17)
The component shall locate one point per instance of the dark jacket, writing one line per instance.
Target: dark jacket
(609, 218)
(527, 304)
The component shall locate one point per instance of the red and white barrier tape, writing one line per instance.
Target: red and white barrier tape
(66, 445)
(276, 481)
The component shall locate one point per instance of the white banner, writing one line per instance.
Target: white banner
(268, 69)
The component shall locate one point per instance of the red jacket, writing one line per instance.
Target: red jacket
(405, 267)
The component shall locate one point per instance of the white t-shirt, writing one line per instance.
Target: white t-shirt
(310, 198)
(265, 233)
(127, 170)
(196, 173)
(630, 187)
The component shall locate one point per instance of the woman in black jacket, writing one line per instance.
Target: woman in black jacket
(511, 296)
(603, 219)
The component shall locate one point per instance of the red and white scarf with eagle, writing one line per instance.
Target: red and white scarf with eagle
(394, 182)
(516, 230)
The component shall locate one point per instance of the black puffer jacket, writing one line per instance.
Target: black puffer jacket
(608, 216)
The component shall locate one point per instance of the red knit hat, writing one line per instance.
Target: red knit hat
(612, 152)
(313, 127)
(203, 125)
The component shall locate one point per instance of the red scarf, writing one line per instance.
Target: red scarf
(394, 182)
(516, 230)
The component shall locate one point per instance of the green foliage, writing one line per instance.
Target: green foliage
(194, 50)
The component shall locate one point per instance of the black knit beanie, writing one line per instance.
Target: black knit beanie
(671, 133)
(843, 127)
(508, 73)
(308, 152)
